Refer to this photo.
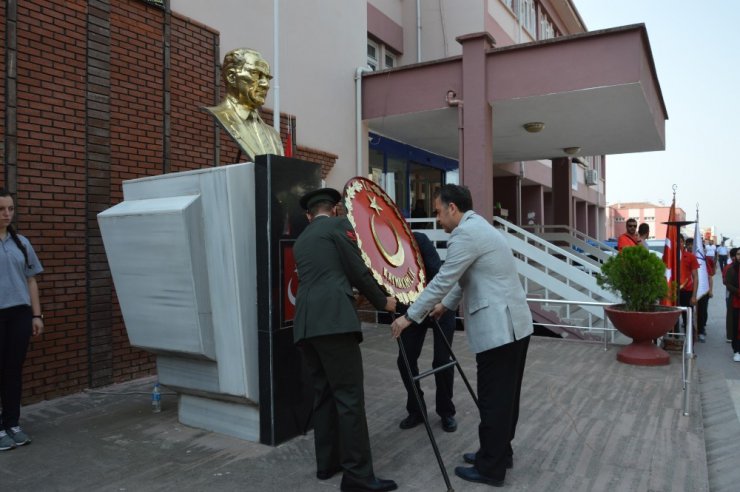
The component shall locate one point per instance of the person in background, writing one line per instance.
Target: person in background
(413, 341)
(629, 238)
(722, 256)
(689, 276)
(702, 305)
(729, 330)
(710, 251)
(732, 281)
(644, 233)
(20, 317)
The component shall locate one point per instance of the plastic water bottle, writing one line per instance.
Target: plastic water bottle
(156, 399)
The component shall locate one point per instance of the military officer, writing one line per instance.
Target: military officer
(327, 329)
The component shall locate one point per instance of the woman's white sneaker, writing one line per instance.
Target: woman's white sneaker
(736, 357)
(6, 442)
(20, 438)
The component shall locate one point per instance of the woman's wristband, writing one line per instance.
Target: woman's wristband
(38, 316)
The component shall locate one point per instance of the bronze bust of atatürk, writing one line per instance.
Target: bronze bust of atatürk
(247, 78)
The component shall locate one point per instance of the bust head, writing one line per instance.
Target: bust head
(247, 77)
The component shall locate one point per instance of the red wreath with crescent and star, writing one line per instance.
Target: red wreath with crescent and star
(386, 243)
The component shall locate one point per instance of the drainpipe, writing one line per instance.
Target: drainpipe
(454, 102)
(418, 31)
(358, 116)
(276, 66)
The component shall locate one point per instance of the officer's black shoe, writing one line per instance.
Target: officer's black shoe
(470, 458)
(374, 484)
(449, 424)
(471, 474)
(411, 421)
(327, 474)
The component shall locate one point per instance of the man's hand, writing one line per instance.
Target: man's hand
(438, 311)
(390, 304)
(400, 324)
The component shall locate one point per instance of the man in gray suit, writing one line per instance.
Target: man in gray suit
(498, 323)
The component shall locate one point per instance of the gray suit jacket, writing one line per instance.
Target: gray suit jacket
(480, 271)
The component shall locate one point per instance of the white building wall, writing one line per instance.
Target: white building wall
(392, 8)
(506, 18)
(322, 42)
(441, 23)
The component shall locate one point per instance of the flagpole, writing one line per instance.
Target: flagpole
(678, 224)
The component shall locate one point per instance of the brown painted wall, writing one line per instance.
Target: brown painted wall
(51, 186)
(91, 110)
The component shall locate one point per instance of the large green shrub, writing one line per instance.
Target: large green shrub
(637, 275)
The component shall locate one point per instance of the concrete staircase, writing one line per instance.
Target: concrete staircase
(549, 271)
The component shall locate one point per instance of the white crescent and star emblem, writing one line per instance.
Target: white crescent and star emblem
(396, 259)
(291, 296)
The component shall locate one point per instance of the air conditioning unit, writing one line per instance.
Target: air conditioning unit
(591, 177)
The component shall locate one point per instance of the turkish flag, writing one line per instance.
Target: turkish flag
(288, 150)
(669, 258)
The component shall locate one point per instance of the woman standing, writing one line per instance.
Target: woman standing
(20, 316)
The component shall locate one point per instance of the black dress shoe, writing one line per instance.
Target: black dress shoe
(327, 474)
(352, 484)
(470, 458)
(471, 474)
(449, 424)
(411, 421)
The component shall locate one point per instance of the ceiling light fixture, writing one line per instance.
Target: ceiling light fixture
(572, 150)
(534, 126)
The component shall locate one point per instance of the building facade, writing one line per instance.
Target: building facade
(512, 98)
(649, 213)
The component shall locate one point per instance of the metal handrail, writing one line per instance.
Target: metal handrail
(687, 354)
(543, 229)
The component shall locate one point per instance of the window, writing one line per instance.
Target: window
(373, 55)
(379, 57)
(529, 16)
(390, 60)
(547, 28)
(512, 4)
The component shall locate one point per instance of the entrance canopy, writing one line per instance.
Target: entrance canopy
(598, 91)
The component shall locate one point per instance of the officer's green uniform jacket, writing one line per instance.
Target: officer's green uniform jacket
(329, 264)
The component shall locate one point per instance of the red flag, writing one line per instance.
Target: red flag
(669, 258)
(288, 148)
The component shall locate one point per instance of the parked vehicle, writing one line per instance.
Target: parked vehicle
(657, 245)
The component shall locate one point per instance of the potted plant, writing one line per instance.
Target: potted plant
(638, 277)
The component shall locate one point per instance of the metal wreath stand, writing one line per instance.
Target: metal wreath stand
(420, 402)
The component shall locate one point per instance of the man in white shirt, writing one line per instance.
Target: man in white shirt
(710, 251)
(722, 256)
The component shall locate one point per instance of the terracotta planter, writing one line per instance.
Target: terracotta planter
(643, 328)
